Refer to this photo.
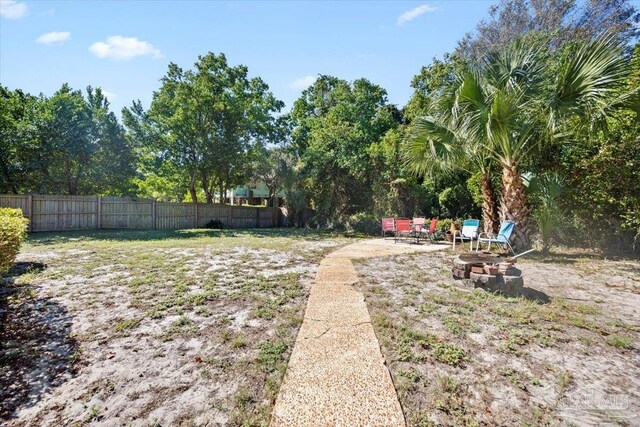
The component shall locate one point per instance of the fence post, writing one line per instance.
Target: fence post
(30, 211)
(99, 213)
(257, 217)
(230, 220)
(196, 216)
(153, 215)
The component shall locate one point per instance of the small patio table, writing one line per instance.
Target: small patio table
(417, 228)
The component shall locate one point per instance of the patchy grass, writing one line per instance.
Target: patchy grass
(465, 357)
(172, 327)
(620, 342)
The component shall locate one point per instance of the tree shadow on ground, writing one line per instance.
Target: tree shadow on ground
(20, 268)
(53, 238)
(37, 351)
(568, 257)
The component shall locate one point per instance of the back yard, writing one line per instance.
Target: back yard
(174, 327)
(568, 354)
(196, 327)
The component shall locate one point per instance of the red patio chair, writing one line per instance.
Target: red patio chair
(403, 228)
(431, 234)
(388, 226)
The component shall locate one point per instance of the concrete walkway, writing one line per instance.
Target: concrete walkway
(336, 374)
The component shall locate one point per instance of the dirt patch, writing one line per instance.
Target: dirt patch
(174, 331)
(567, 355)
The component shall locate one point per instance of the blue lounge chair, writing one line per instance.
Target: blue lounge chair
(502, 238)
(469, 232)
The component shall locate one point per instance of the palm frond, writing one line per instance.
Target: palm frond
(514, 67)
(590, 77)
(432, 147)
(472, 104)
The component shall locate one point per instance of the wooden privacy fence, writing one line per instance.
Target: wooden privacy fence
(56, 213)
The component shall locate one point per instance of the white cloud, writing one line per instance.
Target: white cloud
(109, 95)
(54, 37)
(303, 82)
(12, 9)
(119, 47)
(414, 13)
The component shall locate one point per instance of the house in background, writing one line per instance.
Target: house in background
(254, 193)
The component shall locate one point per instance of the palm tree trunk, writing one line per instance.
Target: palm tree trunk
(489, 205)
(515, 207)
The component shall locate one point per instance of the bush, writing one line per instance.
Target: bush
(364, 223)
(318, 223)
(444, 225)
(13, 230)
(457, 201)
(215, 224)
(545, 191)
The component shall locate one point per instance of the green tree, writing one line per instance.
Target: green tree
(444, 143)
(113, 162)
(601, 171)
(18, 142)
(583, 93)
(270, 168)
(335, 123)
(157, 177)
(63, 144)
(207, 122)
(557, 22)
(431, 83)
(516, 101)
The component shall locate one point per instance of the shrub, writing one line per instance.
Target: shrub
(364, 223)
(215, 224)
(444, 225)
(457, 201)
(545, 190)
(13, 230)
(323, 224)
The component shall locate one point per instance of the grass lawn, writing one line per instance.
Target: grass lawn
(143, 327)
(464, 357)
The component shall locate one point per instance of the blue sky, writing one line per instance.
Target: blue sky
(125, 46)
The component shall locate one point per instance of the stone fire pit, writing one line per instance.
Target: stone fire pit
(489, 272)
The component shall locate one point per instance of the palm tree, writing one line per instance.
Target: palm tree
(510, 105)
(438, 144)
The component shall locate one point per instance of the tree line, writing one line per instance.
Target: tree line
(533, 117)
(68, 143)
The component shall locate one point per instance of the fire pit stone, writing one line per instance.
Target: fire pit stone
(489, 272)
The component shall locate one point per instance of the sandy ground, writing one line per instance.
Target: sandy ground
(170, 331)
(196, 328)
(569, 355)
